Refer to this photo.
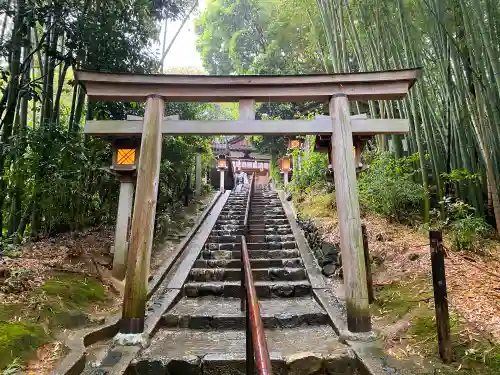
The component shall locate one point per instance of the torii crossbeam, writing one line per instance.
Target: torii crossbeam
(337, 89)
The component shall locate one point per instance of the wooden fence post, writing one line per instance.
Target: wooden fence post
(141, 237)
(187, 190)
(351, 239)
(369, 279)
(198, 175)
(440, 295)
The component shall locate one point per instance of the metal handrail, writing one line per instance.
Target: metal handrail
(256, 345)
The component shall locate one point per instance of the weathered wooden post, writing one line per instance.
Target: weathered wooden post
(246, 109)
(125, 156)
(187, 189)
(369, 279)
(440, 295)
(123, 221)
(141, 238)
(351, 240)
(222, 167)
(197, 188)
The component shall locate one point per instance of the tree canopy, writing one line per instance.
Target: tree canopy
(51, 177)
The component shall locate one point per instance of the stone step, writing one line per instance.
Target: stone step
(268, 227)
(253, 254)
(268, 221)
(225, 313)
(223, 226)
(270, 238)
(220, 239)
(266, 215)
(264, 207)
(264, 289)
(294, 351)
(231, 217)
(258, 216)
(253, 231)
(259, 274)
(223, 246)
(265, 201)
(224, 221)
(271, 245)
(227, 232)
(255, 263)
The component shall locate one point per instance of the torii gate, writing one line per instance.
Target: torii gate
(337, 89)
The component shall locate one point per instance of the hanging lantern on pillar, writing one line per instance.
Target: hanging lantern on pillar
(294, 143)
(125, 155)
(285, 165)
(358, 145)
(221, 162)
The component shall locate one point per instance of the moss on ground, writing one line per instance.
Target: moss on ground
(320, 205)
(80, 291)
(19, 340)
(395, 300)
(61, 302)
(477, 356)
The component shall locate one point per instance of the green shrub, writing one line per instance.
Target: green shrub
(387, 188)
(468, 233)
(467, 230)
(313, 172)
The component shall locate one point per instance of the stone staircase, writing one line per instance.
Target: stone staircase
(203, 333)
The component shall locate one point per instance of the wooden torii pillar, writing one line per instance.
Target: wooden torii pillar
(337, 89)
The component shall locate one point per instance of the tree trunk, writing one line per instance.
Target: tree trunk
(48, 102)
(24, 222)
(13, 90)
(57, 101)
(20, 131)
(78, 109)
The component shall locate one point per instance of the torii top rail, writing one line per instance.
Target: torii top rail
(337, 89)
(137, 87)
(357, 86)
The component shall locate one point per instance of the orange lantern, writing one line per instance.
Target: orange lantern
(221, 162)
(125, 155)
(294, 144)
(286, 164)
